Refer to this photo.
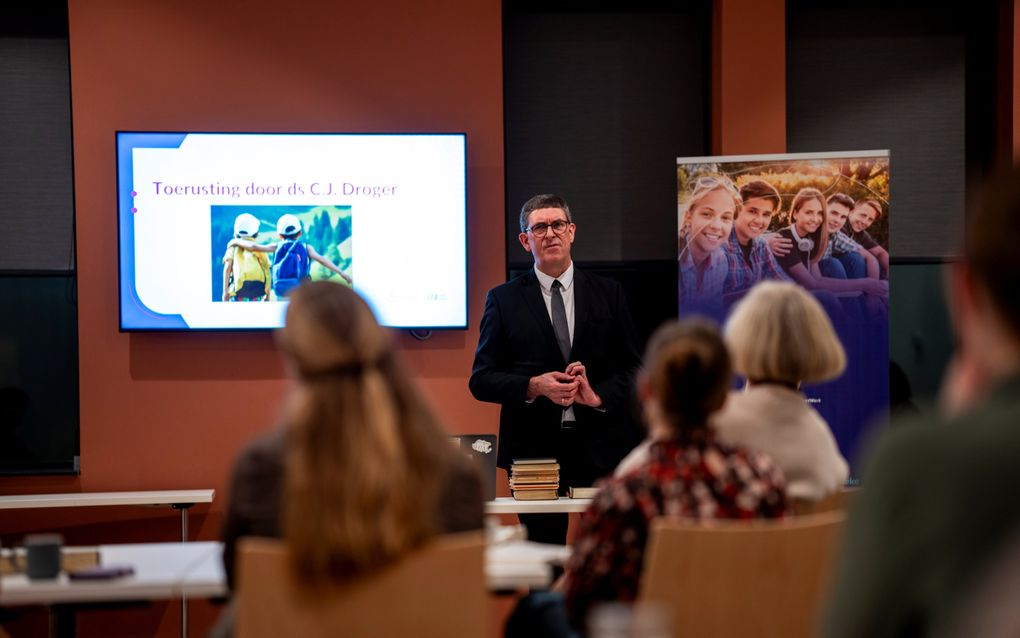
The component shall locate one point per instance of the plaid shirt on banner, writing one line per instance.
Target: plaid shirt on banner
(706, 298)
(840, 244)
(744, 273)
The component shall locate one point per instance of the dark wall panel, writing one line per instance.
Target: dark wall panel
(599, 104)
(36, 204)
(38, 375)
(920, 331)
(881, 77)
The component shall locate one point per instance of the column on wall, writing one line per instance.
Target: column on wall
(749, 76)
(1015, 102)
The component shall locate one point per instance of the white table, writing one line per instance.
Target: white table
(517, 564)
(162, 571)
(509, 505)
(170, 570)
(176, 499)
(181, 500)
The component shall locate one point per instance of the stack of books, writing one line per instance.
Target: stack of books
(534, 479)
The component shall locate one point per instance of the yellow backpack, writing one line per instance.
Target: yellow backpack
(248, 265)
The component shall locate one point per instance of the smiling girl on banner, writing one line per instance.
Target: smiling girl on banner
(706, 218)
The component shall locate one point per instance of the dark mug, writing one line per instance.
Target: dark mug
(42, 556)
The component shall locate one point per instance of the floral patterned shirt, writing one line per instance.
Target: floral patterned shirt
(689, 477)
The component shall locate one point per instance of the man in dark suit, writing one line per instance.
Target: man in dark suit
(557, 351)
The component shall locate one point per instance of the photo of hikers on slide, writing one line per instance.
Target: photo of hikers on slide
(260, 253)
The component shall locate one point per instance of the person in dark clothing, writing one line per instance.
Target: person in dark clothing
(557, 351)
(937, 503)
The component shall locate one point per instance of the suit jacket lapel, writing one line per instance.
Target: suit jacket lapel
(582, 304)
(531, 290)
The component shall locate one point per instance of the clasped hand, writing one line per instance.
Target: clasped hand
(565, 388)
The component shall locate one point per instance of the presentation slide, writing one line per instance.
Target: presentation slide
(216, 229)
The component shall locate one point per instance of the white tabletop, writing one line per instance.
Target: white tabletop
(162, 571)
(170, 570)
(94, 499)
(517, 564)
(509, 505)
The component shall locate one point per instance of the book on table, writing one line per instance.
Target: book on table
(536, 467)
(582, 492)
(535, 479)
(535, 495)
(542, 485)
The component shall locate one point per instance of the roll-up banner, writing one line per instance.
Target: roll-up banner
(819, 220)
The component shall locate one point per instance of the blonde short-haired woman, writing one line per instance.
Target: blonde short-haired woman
(779, 337)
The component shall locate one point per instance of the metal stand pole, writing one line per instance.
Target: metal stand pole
(184, 507)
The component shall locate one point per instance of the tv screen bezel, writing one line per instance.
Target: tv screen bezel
(120, 196)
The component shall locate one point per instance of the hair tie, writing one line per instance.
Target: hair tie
(352, 368)
(344, 370)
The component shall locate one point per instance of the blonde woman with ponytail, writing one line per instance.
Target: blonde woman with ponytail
(361, 472)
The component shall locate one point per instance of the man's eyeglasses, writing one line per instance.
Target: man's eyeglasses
(539, 230)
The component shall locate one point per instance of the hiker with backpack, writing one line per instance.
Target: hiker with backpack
(292, 257)
(246, 271)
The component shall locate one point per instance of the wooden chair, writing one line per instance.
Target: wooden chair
(742, 578)
(436, 591)
(838, 501)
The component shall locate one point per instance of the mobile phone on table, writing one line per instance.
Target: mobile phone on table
(101, 572)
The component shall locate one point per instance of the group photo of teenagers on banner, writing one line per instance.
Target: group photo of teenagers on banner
(820, 221)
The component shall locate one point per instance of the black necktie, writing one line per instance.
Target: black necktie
(559, 320)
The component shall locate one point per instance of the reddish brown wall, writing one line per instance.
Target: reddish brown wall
(171, 411)
(748, 77)
(163, 411)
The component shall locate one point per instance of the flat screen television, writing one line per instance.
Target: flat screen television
(215, 229)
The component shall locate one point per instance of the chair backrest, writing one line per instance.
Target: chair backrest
(839, 500)
(742, 578)
(438, 590)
